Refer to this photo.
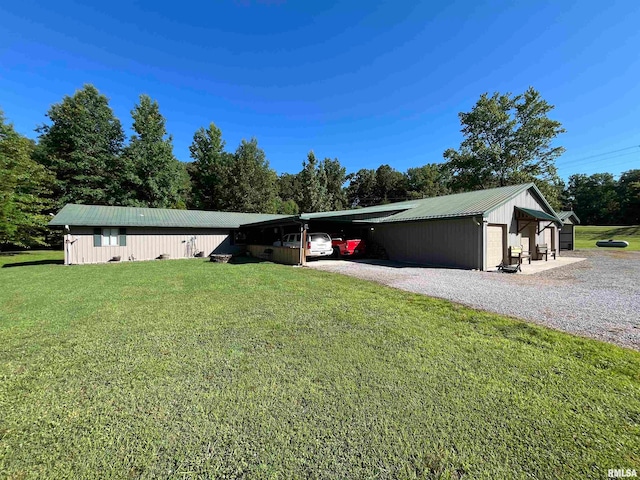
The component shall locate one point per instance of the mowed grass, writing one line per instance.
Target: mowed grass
(188, 369)
(588, 235)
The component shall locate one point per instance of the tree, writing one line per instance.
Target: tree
(507, 140)
(629, 195)
(430, 180)
(252, 186)
(82, 148)
(594, 198)
(390, 185)
(361, 188)
(336, 176)
(313, 195)
(155, 177)
(210, 170)
(287, 207)
(24, 185)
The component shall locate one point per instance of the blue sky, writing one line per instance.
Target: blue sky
(367, 82)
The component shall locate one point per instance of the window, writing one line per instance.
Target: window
(238, 238)
(109, 237)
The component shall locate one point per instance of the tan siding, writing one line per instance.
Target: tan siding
(148, 243)
(453, 243)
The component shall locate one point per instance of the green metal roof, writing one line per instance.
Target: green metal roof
(565, 214)
(465, 204)
(387, 208)
(105, 216)
(459, 204)
(537, 214)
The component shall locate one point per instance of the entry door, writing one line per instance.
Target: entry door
(550, 238)
(529, 238)
(495, 245)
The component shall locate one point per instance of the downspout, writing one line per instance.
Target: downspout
(485, 223)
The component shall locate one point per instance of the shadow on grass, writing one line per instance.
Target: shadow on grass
(244, 260)
(35, 262)
(610, 232)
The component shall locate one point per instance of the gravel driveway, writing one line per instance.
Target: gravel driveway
(597, 298)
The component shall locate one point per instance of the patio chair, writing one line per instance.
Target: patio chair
(542, 250)
(519, 254)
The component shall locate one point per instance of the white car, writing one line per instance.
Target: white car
(318, 244)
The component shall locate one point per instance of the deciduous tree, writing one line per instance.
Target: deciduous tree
(508, 139)
(24, 185)
(430, 180)
(336, 176)
(594, 198)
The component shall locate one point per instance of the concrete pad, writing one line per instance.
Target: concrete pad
(538, 266)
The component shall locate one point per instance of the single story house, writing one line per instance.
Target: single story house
(567, 232)
(471, 230)
(99, 234)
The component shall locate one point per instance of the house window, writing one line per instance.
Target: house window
(109, 237)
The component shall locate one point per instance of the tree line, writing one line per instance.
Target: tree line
(82, 155)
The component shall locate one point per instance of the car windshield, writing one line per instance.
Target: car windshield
(320, 237)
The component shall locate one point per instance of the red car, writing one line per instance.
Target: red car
(347, 247)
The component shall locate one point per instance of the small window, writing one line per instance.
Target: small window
(238, 238)
(110, 237)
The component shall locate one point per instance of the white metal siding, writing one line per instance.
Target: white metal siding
(452, 243)
(147, 244)
(505, 214)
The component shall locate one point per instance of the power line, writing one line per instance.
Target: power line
(603, 154)
(592, 161)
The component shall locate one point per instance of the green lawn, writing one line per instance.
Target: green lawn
(189, 369)
(588, 235)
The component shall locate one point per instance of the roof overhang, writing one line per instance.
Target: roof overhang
(540, 215)
(276, 222)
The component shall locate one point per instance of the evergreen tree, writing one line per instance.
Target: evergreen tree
(210, 170)
(313, 195)
(82, 148)
(155, 178)
(252, 184)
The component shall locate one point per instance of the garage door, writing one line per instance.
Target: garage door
(495, 245)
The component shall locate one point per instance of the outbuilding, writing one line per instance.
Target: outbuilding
(567, 232)
(471, 230)
(100, 234)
